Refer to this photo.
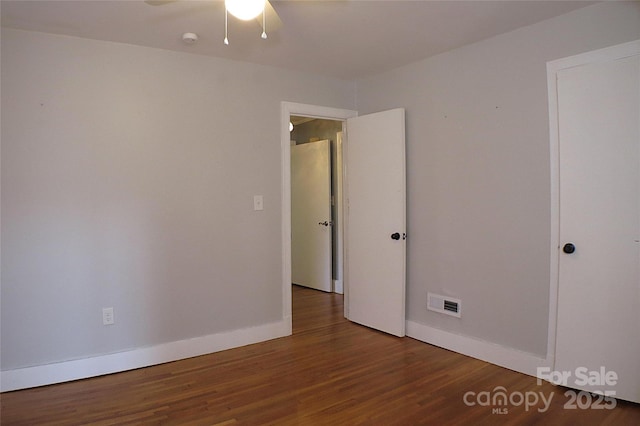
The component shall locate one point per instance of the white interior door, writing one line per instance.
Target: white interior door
(598, 322)
(375, 225)
(311, 215)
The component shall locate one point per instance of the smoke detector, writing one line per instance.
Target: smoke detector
(189, 38)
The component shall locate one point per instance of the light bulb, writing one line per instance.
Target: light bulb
(290, 126)
(245, 9)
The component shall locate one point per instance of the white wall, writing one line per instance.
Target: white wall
(478, 172)
(128, 176)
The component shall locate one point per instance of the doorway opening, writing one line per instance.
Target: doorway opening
(374, 238)
(316, 203)
(309, 112)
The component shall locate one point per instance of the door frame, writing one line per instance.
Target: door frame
(286, 110)
(553, 67)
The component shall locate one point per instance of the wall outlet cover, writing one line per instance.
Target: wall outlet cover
(107, 316)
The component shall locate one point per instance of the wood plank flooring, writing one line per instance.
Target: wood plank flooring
(330, 372)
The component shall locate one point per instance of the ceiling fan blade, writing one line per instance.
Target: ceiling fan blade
(159, 2)
(273, 20)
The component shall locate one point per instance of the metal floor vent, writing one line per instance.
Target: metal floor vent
(444, 305)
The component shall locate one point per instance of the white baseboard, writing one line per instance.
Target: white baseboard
(503, 356)
(41, 375)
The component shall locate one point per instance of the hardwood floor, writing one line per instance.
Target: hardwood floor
(330, 372)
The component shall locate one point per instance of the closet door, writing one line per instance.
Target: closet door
(598, 320)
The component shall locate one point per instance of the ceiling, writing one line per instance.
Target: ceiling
(345, 39)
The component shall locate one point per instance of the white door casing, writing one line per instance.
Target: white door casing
(338, 226)
(311, 222)
(375, 191)
(598, 285)
(287, 109)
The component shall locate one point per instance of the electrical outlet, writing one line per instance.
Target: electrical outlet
(107, 316)
(258, 202)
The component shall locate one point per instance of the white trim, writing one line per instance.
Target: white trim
(338, 220)
(493, 353)
(286, 110)
(554, 241)
(41, 375)
(619, 51)
(553, 67)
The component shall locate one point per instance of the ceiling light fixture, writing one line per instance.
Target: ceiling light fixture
(244, 10)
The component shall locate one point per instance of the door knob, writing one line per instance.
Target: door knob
(395, 236)
(569, 248)
(325, 223)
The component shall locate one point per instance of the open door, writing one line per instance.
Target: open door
(311, 225)
(375, 223)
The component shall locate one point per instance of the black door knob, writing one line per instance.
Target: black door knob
(395, 236)
(569, 248)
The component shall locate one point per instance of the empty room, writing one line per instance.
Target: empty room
(320, 212)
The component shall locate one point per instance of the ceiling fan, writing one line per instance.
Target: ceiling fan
(245, 10)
